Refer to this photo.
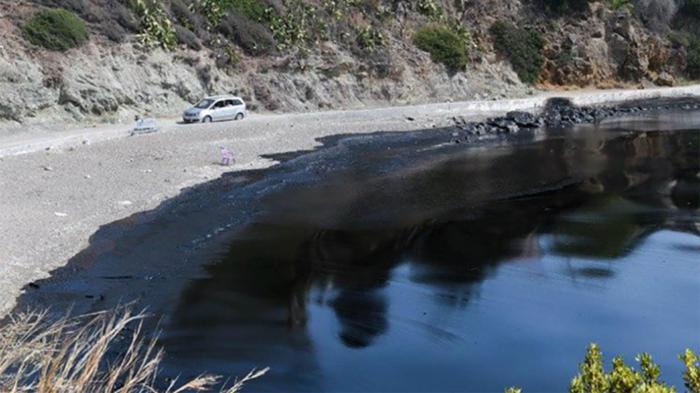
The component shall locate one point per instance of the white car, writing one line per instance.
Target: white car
(216, 108)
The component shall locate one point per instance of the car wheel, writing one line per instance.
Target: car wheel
(207, 119)
(239, 116)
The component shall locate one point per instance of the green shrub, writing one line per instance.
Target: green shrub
(565, 6)
(691, 376)
(592, 377)
(253, 9)
(690, 8)
(522, 47)
(693, 60)
(216, 10)
(687, 19)
(56, 29)
(187, 37)
(618, 4)
(300, 26)
(188, 17)
(156, 27)
(429, 8)
(254, 38)
(369, 38)
(444, 44)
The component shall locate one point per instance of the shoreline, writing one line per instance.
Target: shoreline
(61, 196)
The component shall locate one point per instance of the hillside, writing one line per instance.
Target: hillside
(109, 59)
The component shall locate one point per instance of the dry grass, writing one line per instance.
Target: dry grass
(103, 352)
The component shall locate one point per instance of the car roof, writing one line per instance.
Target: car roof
(220, 97)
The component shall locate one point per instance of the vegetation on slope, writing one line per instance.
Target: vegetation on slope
(565, 6)
(56, 29)
(522, 47)
(444, 45)
(687, 33)
(373, 30)
(693, 66)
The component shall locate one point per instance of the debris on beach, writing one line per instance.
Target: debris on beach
(144, 125)
(226, 156)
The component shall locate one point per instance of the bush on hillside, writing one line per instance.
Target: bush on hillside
(56, 29)
(444, 44)
(112, 30)
(253, 9)
(216, 10)
(368, 38)
(156, 27)
(656, 14)
(188, 18)
(690, 8)
(187, 37)
(254, 38)
(111, 17)
(565, 6)
(693, 60)
(522, 47)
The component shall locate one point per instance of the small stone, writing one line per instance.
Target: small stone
(60, 214)
(47, 168)
(125, 203)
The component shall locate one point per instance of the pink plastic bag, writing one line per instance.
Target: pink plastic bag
(226, 156)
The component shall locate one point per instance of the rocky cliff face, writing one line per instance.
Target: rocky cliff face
(608, 47)
(114, 80)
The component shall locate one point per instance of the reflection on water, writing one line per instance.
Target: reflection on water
(416, 279)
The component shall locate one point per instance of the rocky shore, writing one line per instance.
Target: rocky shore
(562, 113)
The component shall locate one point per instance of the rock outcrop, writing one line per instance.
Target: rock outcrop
(609, 47)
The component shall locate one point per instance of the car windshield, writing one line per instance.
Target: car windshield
(204, 104)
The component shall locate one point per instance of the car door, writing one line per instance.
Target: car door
(237, 107)
(218, 111)
(229, 109)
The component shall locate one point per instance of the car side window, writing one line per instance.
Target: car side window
(219, 104)
(229, 102)
(237, 102)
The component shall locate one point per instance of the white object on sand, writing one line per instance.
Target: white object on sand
(145, 126)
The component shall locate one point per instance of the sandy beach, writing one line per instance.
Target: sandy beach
(58, 188)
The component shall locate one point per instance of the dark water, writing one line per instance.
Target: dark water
(397, 263)
(420, 278)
